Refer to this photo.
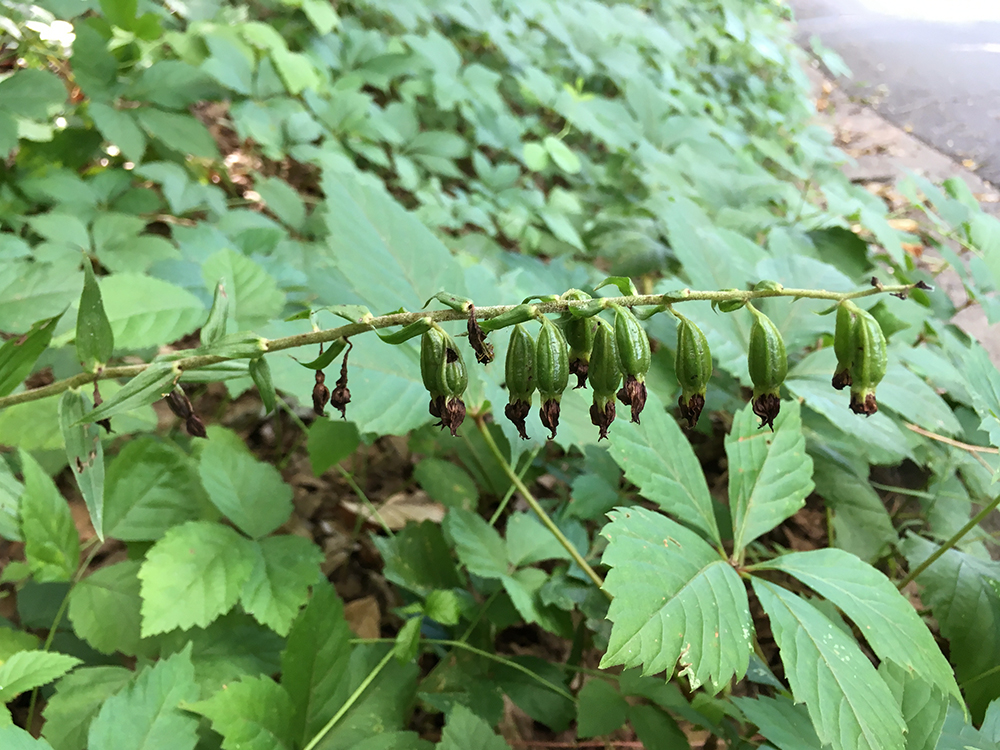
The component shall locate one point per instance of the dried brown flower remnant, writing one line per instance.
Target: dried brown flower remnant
(477, 339)
(602, 418)
(320, 394)
(766, 406)
(633, 394)
(691, 408)
(341, 396)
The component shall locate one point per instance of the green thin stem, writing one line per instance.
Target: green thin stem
(510, 492)
(479, 652)
(955, 539)
(355, 696)
(539, 510)
(197, 361)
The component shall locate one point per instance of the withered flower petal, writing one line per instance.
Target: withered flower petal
(691, 408)
(766, 406)
(602, 418)
(549, 413)
(580, 368)
(517, 412)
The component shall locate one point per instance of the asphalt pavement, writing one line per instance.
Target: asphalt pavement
(929, 66)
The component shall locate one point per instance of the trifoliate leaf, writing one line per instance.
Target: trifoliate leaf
(675, 598)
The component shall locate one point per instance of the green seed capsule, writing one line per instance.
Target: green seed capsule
(870, 361)
(634, 356)
(454, 375)
(579, 333)
(693, 366)
(768, 364)
(552, 372)
(432, 360)
(843, 345)
(605, 376)
(520, 372)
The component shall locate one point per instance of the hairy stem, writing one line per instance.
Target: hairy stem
(955, 539)
(539, 510)
(197, 361)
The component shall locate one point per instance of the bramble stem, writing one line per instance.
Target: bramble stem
(539, 510)
(955, 539)
(197, 361)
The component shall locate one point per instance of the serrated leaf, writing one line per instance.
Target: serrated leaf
(30, 291)
(909, 396)
(850, 705)
(886, 619)
(145, 311)
(104, 608)
(316, 656)
(770, 473)
(600, 709)
(151, 486)
(417, 558)
(967, 609)
(463, 730)
(781, 722)
(675, 599)
(85, 453)
(146, 715)
(95, 341)
(19, 354)
(528, 541)
(149, 386)
(523, 587)
(478, 545)
(30, 669)
(861, 523)
(408, 640)
(253, 293)
(251, 714)
(278, 586)
(249, 492)
(51, 543)
(193, 575)
(78, 698)
(659, 460)
(924, 706)
(443, 607)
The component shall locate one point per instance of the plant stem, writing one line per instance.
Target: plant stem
(539, 510)
(355, 696)
(510, 493)
(955, 539)
(196, 361)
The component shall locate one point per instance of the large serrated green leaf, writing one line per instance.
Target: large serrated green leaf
(479, 545)
(251, 714)
(51, 543)
(146, 715)
(658, 459)
(886, 619)
(675, 599)
(30, 669)
(278, 586)
(146, 311)
(193, 575)
(104, 608)
(924, 705)
(77, 700)
(15, 738)
(770, 473)
(85, 453)
(464, 730)
(850, 705)
(781, 722)
(254, 297)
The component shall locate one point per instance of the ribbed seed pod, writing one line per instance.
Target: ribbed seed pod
(520, 373)
(843, 345)
(605, 376)
(693, 366)
(868, 366)
(455, 379)
(551, 372)
(431, 361)
(579, 334)
(635, 357)
(768, 364)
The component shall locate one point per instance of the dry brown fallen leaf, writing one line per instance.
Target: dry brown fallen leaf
(364, 617)
(399, 509)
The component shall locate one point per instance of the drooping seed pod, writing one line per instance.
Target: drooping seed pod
(635, 358)
(843, 345)
(605, 376)
(552, 372)
(520, 375)
(868, 366)
(579, 334)
(693, 365)
(455, 379)
(432, 368)
(768, 364)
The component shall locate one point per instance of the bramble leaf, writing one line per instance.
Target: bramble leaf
(105, 608)
(464, 729)
(283, 570)
(78, 697)
(250, 714)
(30, 669)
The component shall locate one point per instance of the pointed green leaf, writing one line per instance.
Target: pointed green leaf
(278, 586)
(19, 354)
(249, 492)
(193, 575)
(104, 608)
(95, 341)
(30, 669)
(85, 453)
(600, 709)
(330, 442)
(10, 500)
(408, 640)
(479, 545)
(51, 543)
(850, 705)
(781, 722)
(861, 523)
(180, 132)
(464, 730)
(924, 705)
(215, 326)
(659, 460)
(149, 386)
(419, 559)
(251, 714)
(77, 700)
(770, 473)
(330, 352)
(624, 284)
(146, 715)
(887, 620)
(675, 599)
